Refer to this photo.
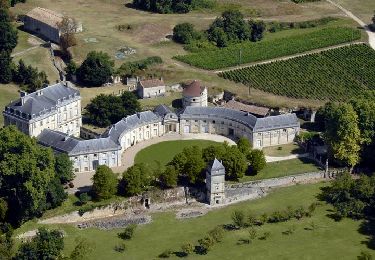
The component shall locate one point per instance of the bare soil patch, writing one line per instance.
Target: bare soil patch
(150, 33)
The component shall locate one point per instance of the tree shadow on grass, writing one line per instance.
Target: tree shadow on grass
(367, 228)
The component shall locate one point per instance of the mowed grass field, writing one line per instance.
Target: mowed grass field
(284, 168)
(165, 151)
(329, 240)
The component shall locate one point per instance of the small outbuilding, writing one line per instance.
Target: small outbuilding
(45, 23)
(194, 94)
(150, 88)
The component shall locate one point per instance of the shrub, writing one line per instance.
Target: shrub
(120, 248)
(251, 220)
(217, 234)
(265, 235)
(205, 245)
(187, 248)
(238, 218)
(166, 254)
(84, 198)
(128, 232)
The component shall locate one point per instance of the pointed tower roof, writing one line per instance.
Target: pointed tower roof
(216, 167)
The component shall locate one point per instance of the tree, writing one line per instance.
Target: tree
(5, 67)
(64, 168)
(178, 162)
(104, 110)
(244, 145)
(184, 33)
(8, 36)
(343, 134)
(257, 160)
(55, 194)
(217, 233)
(4, 4)
(29, 78)
(238, 219)
(45, 245)
(235, 163)
(136, 178)
(194, 165)
(187, 249)
(257, 30)
(26, 173)
(6, 244)
(213, 151)
(96, 69)
(104, 183)
(130, 102)
(68, 27)
(205, 244)
(219, 36)
(3, 209)
(128, 232)
(81, 250)
(169, 177)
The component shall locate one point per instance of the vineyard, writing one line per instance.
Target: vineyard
(269, 49)
(335, 75)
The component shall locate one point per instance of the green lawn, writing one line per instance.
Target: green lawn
(283, 150)
(330, 239)
(284, 168)
(165, 151)
(8, 92)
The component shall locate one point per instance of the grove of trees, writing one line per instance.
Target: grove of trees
(29, 184)
(230, 28)
(349, 130)
(105, 110)
(96, 69)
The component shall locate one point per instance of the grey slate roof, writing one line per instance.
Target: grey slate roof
(256, 124)
(44, 100)
(216, 167)
(131, 122)
(72, 146)
(162, 110)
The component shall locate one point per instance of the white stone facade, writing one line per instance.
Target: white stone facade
(215, 183)
(150, 88)
(37, 111)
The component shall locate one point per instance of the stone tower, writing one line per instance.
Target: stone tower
(215, 183)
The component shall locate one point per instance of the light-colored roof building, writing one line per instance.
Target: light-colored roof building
(45, 23)
(255, 110)
(151, 88)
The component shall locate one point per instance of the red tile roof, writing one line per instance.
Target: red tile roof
(151, 83)
(193, 89)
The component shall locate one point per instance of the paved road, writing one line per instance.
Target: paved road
(371, 35)
(83, 181)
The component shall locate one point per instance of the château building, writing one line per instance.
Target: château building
(56, 107)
